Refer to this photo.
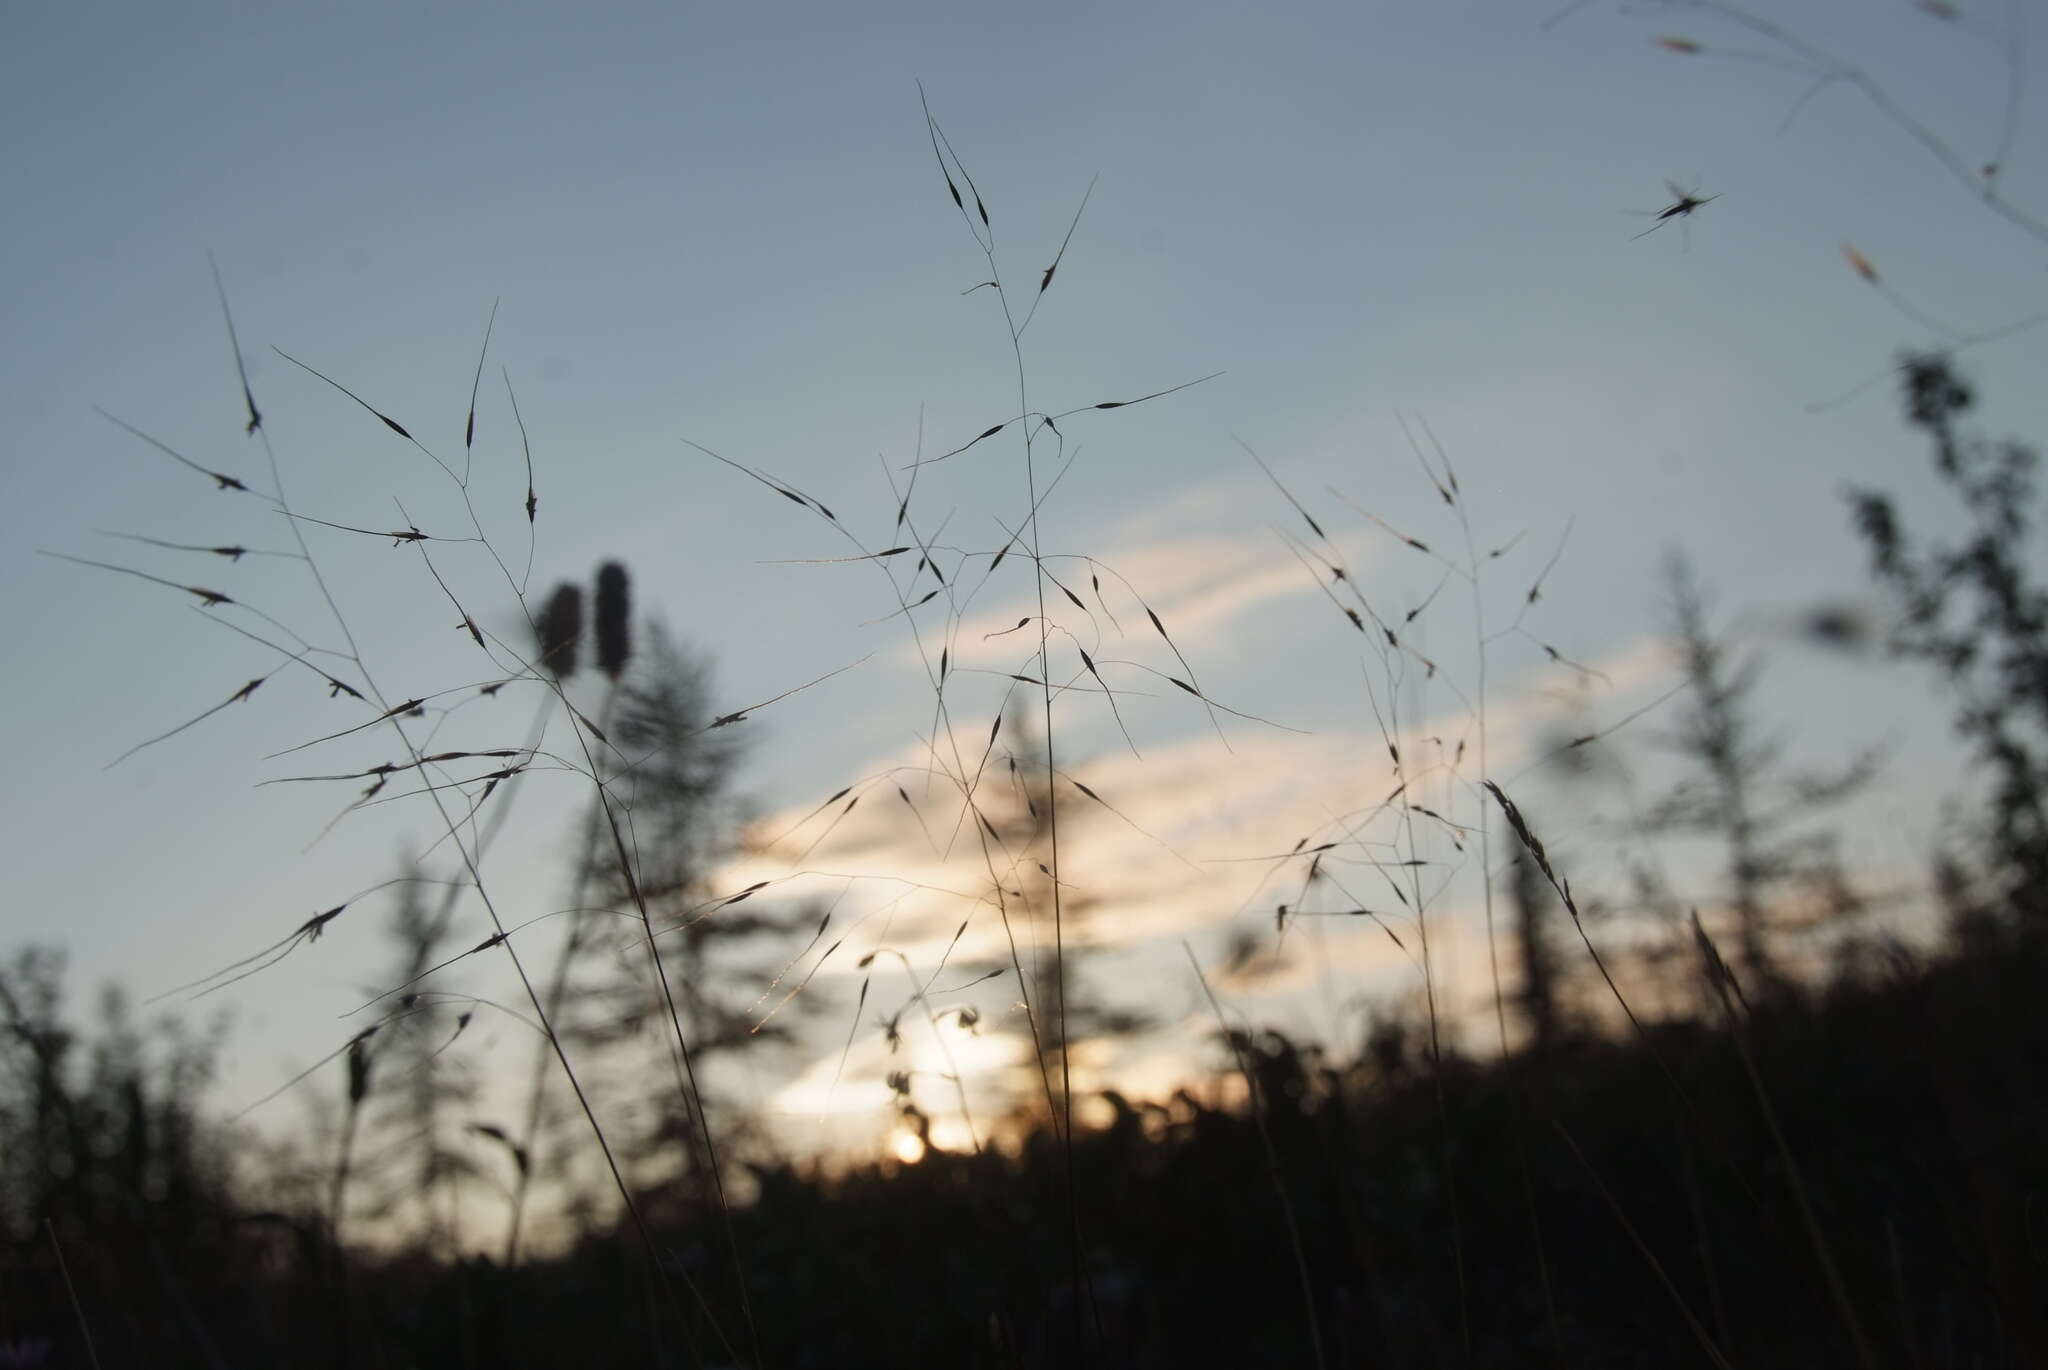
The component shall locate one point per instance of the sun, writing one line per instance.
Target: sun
(907, 1146)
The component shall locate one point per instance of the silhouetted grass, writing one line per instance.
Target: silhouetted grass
(1848, 1169)
(1911, 1094)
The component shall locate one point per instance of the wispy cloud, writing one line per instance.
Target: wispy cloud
(1190, 841)
(1198, 585)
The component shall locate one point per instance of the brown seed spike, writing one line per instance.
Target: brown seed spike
(614, 620)
(561, 630)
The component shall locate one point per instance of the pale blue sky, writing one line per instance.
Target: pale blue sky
(724, 224)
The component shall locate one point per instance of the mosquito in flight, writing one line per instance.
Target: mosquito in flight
(1683, 203)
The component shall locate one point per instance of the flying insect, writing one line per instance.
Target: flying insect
(1683, 203)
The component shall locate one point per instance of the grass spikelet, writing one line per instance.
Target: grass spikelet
(1285, 494)
(231, 552)
(393, 424)
(225, 482)
(469, 424)
(235, 346)
(520, 1157)
(207, 598)
(526, 447)
(236, 698)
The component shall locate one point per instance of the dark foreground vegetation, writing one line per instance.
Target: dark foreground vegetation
(1842, 1166)
(1846, 1165)
(1609, 1201)
(1829, 1153)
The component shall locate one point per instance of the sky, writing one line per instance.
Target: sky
(725, 228)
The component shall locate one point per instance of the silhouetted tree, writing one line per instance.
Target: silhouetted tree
(1974, 612)
(422, 1083)
(675, 801)
(559, 634)
(1760, 811)
(1068, 1010)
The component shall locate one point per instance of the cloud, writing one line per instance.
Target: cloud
(1198, 585)
(1191, 841)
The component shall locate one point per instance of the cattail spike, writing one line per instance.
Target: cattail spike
(561, 628)
(614, 620)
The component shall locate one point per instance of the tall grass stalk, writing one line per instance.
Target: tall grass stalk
(392, 716)
(1255, 1103)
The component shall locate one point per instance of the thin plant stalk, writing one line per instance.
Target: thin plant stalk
(1255, 1100)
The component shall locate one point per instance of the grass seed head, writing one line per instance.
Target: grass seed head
(561, 628)
(614, 620)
